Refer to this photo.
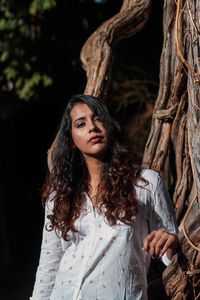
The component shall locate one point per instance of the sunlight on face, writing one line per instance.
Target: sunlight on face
(88, 132)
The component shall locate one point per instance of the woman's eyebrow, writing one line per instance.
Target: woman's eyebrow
(84, 118)
(78, 119)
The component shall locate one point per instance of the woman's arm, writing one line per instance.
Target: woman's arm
(163, 228)
(50, 256)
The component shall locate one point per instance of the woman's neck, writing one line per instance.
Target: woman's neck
(94, 167)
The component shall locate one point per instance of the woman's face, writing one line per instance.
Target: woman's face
(88, 132)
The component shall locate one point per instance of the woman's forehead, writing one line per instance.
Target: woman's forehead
(81, 110)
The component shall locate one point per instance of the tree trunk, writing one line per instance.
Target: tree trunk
(166, 150)
(173, 145)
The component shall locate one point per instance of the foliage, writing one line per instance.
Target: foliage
(20, 28)
(41, 42)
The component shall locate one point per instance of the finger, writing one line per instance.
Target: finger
(157, 243)
(164, 236)
(155, 246)
(147, 241)
(159, 246)
(170, 243)
(165, 248)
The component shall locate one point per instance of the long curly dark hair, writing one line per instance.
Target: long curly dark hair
(68, 181)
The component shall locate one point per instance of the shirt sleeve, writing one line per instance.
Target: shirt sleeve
(162, 215)
(50, 256)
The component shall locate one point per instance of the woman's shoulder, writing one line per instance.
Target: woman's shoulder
(152, 178)
(149, 174)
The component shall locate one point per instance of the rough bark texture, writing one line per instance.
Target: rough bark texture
(182, 277)
(192, 19)
(166, 150)
(173, 144)
(96, 54)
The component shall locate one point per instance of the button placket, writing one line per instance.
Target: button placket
(90, 246)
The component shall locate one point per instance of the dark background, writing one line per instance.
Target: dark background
(29, 127)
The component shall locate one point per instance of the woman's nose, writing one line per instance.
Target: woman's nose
(92, 126)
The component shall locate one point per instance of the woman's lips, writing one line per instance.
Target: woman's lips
(96, 139)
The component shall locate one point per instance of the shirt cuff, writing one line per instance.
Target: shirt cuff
(165, 259)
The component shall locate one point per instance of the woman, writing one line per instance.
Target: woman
(105, 215)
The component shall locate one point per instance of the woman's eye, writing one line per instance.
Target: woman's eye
(97, 119)
(80, 124)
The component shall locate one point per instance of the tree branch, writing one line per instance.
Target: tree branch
(96, 54)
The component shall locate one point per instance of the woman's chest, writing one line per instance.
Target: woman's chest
(92, 227)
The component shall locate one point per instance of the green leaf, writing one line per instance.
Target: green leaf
(48, 4)
(10, 73)
(18, 83)
(7, 25)
(47, 80)
(39, 6)
(27, 66)
(4, 56)
(8, 14)
(27, 90)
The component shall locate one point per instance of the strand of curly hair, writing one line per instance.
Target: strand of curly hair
(116, 193)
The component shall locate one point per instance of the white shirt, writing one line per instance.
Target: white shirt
(101, 262)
